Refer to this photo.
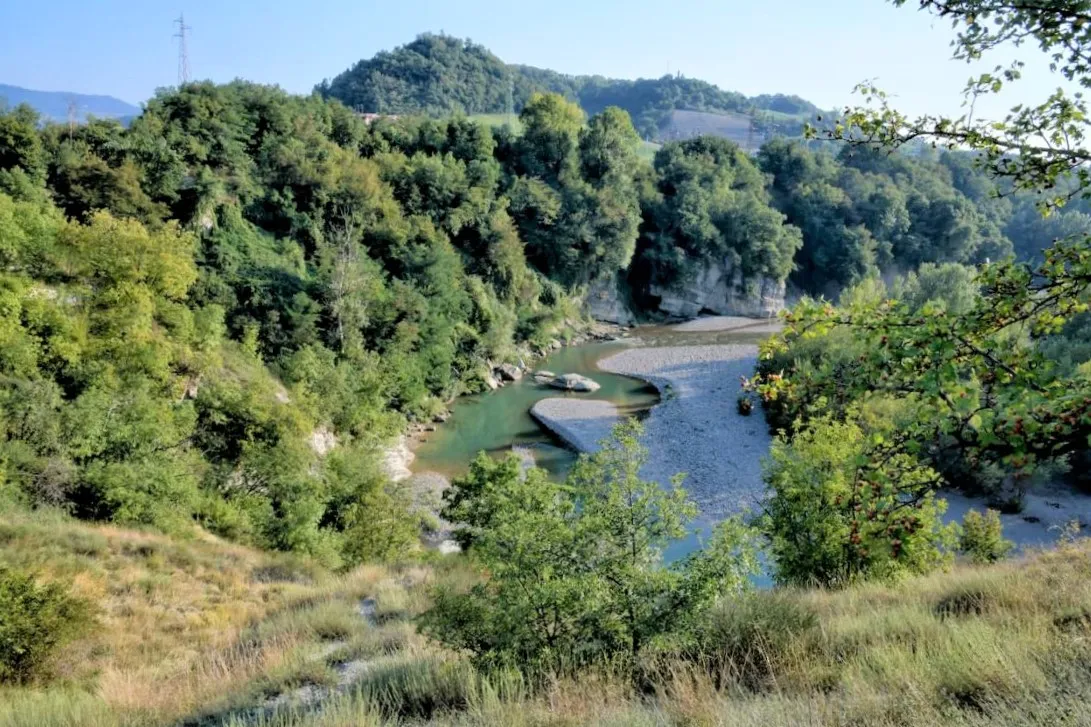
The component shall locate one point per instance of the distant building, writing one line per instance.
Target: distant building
(369, 117)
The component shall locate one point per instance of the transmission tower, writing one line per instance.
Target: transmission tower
(183, 49)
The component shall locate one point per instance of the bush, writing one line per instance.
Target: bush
(35, 621)
(982, 538)
(843, 508)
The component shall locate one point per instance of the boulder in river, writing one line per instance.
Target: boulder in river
(509, 372)
(574, 382)
(544, 377)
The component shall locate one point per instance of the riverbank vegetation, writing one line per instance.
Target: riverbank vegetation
(211, 323)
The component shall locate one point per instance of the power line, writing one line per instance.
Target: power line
(183, 49)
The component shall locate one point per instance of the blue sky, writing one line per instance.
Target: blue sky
(816, 49)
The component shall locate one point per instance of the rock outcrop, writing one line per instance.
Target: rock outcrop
(604, 303)
(574, 382)
(323, 441)
(509, 372)
(396, 458)
(720, 288)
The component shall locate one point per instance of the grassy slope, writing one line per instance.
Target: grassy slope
(204, 632)
(186, 628)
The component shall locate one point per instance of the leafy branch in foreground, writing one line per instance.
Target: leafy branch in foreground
(1034, 146)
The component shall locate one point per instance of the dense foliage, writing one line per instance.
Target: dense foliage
(222, 313)
(980, 372)
(37, 620)
(574, 571)
(442, 75)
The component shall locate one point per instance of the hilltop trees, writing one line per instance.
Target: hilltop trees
(710, 204)
(440, 75)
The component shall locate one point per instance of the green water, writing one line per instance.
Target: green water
(495, 421)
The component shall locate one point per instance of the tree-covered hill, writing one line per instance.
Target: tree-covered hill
(440, 75)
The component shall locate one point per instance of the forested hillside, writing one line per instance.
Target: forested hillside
(441, 75)
(220, 314)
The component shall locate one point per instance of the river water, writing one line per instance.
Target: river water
(496, 421)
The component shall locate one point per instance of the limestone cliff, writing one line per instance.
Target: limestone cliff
(604, 303)
(719, 288)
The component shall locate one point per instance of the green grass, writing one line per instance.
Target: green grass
(203, 632)
(648, 149)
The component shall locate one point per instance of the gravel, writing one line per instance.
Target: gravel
(696, 428)
(707, 324)
(582, 423)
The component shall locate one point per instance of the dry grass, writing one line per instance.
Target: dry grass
(203, 632)
(182, 628)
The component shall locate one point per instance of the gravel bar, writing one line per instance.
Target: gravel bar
(696, 428)
(581, 423)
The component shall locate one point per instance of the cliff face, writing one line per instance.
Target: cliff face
(719, 288)
(604, 303)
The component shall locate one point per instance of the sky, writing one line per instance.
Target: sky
(817, 49)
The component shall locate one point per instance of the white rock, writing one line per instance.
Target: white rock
(323, 441)
(604, 302)
(719, 288)
(509, 372)
(396, 459)
(574, 382)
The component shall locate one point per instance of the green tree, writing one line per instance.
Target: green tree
(844, 506)
(987, 399)
(574, 569)
(38, 620)
(982, 537)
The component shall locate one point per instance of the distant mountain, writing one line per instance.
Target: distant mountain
(54, 105)
(439, 75)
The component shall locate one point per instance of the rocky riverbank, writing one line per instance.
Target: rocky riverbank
(696, 428)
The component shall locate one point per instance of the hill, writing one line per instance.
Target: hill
(54, 105)
(441, 75)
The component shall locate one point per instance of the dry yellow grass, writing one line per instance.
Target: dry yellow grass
(202, 631)
(177, 622)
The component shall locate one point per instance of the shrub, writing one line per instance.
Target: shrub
(844, 506)
(744, 405)
(982, 538)
(35, 621)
